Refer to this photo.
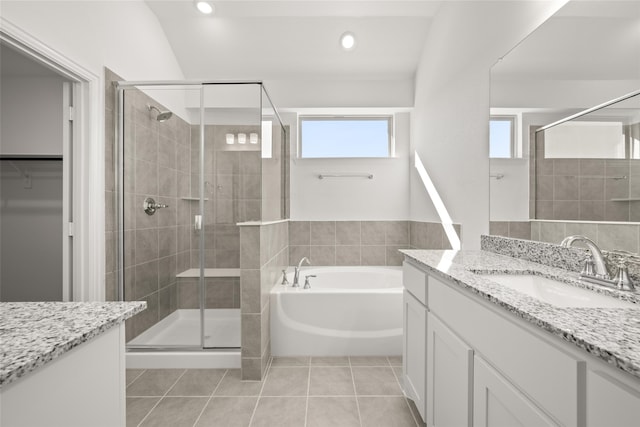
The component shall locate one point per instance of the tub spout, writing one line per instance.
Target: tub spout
(296, 274)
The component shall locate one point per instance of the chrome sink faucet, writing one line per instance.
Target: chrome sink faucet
(296, 274)
(599, 266)
(595, 268)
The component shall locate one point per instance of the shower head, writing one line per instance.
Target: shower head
(162, 116)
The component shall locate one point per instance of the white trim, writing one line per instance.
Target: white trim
(88, 162)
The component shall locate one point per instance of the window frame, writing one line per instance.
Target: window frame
(390, 118)
(513, 146)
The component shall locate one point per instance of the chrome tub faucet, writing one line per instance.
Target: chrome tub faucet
(296, 274)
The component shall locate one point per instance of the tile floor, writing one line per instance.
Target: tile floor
(296, 392)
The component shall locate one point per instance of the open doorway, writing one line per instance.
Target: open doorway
(36, 146)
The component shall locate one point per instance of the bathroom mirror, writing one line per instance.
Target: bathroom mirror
(583, 56)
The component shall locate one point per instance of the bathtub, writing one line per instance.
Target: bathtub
(349, 311)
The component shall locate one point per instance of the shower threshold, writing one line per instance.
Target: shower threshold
(159, 346)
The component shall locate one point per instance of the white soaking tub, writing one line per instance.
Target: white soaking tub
(349, 311)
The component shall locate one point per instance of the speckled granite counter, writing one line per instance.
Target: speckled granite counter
(612, 334)
(35, 333)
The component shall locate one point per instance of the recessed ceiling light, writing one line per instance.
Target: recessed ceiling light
(205, 7)
(348, 41)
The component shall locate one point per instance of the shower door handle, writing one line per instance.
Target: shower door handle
(197, 223)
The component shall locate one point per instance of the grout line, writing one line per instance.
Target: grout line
(134, 380)
(163, 396)
(355, 392)
(264, 381)
(210, 397)
(306, 409)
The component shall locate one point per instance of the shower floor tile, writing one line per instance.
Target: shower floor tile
(295, 392)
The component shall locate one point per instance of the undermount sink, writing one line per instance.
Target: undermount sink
(558, 293)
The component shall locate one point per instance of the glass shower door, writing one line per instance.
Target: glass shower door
(232, 195)
(157, 203)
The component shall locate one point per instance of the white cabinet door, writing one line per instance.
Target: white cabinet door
(610, 402)
(414, 350)
(497, 403)
(449, 377)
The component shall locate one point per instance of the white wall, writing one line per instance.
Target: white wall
(124, 36)
(576, 94)
(31, 121)
(450, 123)
(385, 197)
(341, 93)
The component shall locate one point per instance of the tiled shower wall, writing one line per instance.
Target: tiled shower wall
(584, 189)
(156, 161)
(362, 242)
(263, 255)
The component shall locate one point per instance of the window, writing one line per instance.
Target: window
(349, 136)
(502, 137)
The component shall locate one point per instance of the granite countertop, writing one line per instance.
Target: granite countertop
(35, 333)
(612, 334)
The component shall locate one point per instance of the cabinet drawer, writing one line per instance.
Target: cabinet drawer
(415, 281)
(525, 359)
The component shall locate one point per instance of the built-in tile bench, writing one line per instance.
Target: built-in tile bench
(222, 288)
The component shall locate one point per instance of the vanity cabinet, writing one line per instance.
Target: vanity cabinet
(414, 337)
(450, 374)
(497, 403)
(611, 401)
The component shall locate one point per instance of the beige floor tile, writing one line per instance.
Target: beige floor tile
(330, 361)
(154, 382)
(228, 412)
(286, 382)
(331, 381)
(132, 375)
(175, 412)
(290, 361)
(280, 412)
(385, 412)
(197, 382)
(138, 408)
(376, 381)
(369, 361)
(395, 360)
(332, 412)
(232, 385)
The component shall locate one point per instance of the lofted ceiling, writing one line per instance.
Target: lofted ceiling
(297, 39)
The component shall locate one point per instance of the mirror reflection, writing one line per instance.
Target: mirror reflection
(588, 168)
(579, 171)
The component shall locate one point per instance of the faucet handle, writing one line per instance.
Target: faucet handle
(285, 281)
(587, 268)
(307, 285)
(622, 279)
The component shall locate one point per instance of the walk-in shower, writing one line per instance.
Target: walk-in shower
(182, 191)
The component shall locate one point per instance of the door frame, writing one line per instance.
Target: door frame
(86, 251)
